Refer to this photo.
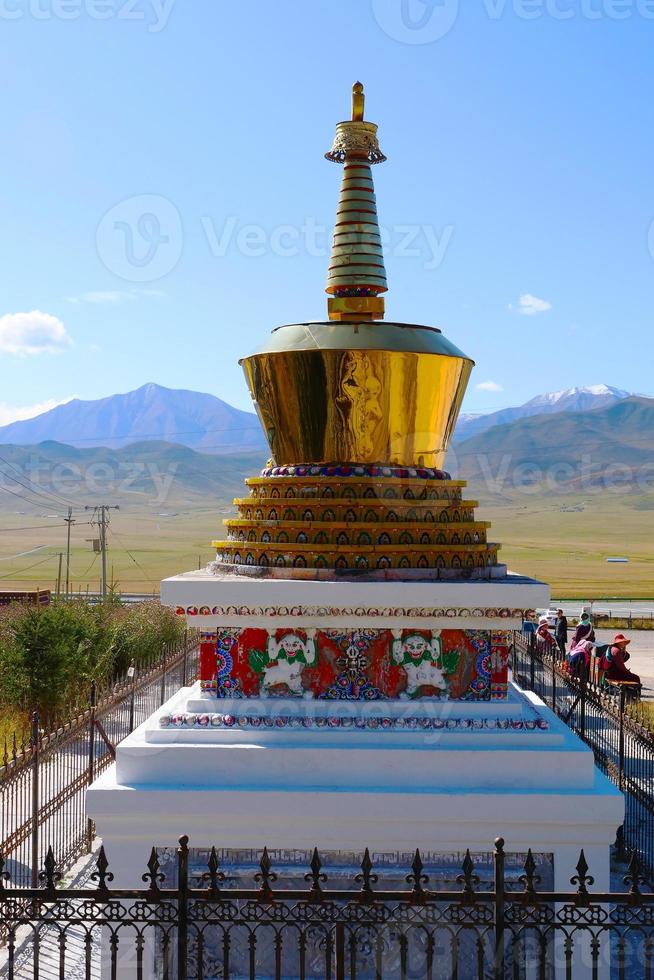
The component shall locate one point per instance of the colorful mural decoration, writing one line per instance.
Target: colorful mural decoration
(356, 665)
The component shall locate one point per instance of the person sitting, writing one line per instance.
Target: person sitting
(583, 631)
(579, 657)
(614, 662)
(543, 636)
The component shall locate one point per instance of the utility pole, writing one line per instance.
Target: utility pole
(59, 575)
(69, 520)
(103, 522)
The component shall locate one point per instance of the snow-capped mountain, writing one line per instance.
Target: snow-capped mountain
(581, 399)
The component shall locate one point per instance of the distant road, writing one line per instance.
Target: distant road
(616, 607)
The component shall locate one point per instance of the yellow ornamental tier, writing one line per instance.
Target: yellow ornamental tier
(304, 520)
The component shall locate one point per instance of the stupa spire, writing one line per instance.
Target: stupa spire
(356, 274)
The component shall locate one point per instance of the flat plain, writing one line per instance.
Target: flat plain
(563, 539)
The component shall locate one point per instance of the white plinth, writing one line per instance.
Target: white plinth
(442, 789)
(209, 600)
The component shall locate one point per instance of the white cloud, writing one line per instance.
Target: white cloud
(489, 386)
(32, 333)
(15, 413)
(529, 305)
(101, 296)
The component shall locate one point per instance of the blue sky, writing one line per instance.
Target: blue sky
(165, 201)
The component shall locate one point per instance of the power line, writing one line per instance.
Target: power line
(42, 527)
(43, 560)
(85, 573)
(51, 493)
(136, 562)
(34, 493)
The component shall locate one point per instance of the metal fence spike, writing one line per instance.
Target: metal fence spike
(366, 878)
(582, 879)
(50, 876)
(214, 876)
(634, 877)
(153, 876)
(417, 878)
(101, 874)
(529, 880)
(266, 876)
(316, 876)
(468, 879)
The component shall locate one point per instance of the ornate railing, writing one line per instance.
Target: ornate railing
(43, 781)
(616, 728)
(222, 923)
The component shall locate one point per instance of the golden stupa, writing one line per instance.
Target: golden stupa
(358, 414)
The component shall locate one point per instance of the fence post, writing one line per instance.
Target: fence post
(340, 951)
(621, 741)
(163, 676)
(185, 661)
(582, 704)
(92, 706)
(553, 683)
(532, 664)
(498, 864)
(182, 909)
(132, 673)
(34, 741)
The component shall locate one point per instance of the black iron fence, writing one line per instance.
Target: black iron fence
(217, 924)
(43, 782)
(615, 727)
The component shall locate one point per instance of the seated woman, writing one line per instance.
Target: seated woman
(584, 631)
(579, 656)
(614, 662)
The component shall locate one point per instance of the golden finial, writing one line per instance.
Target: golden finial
(358, 102)
(356, 139)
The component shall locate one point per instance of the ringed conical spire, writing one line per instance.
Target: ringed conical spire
(356, 273)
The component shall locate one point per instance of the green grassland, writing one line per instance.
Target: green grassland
(565, 540)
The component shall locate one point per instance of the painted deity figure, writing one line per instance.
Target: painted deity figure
(419, 652)
(288, 652)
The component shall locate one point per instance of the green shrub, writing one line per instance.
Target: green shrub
(50, 655)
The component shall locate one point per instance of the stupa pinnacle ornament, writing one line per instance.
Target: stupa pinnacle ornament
(356, 273)
(358, 414)
(354, 389)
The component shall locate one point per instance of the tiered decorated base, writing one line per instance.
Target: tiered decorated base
(356, 518)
